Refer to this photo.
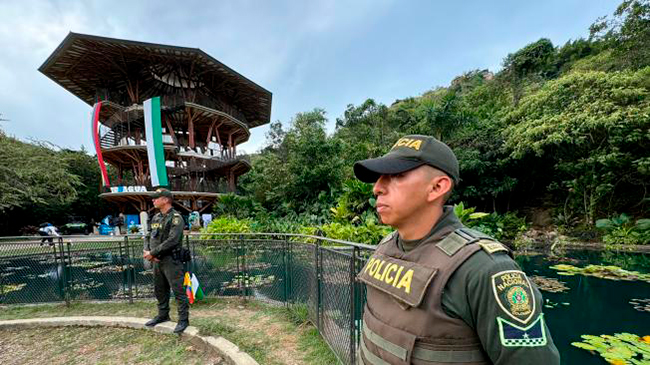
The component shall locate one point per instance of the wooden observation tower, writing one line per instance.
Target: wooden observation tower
(162, 116)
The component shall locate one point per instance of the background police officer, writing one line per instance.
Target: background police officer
(439, 292)
(166, 237)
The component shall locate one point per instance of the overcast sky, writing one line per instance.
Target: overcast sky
(325, 54)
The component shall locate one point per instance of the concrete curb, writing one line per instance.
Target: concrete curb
(220, 345)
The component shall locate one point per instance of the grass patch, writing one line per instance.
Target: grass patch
(83, 345)
(270, 334)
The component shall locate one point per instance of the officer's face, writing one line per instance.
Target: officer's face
(401, 196)
(159, 202)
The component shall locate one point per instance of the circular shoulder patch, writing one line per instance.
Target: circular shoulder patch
(514, 294)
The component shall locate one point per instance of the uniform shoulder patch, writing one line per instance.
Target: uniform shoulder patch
(512, 335)
(514, 294)
(177, 219)
(492, 246)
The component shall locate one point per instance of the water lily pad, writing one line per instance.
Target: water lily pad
(8, 288)
(642, 305)
(608, 272)
(621, 348)
(551, 285)
(584, 346)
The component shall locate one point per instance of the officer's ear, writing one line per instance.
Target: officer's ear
(440, 185)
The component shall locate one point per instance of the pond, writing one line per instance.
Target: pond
(592, 305)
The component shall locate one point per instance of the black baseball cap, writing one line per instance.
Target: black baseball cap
(162, 192)
(407, 153)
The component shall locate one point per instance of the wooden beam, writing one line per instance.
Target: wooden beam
(170, 129)
(190, 127)
(230, 144)
(207, 140)
(231, 181)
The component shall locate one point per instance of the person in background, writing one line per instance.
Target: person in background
(48, 231)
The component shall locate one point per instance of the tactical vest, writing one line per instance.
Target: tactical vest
(160, 227)
(404, 322)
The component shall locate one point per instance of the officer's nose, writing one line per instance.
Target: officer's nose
(380, 185)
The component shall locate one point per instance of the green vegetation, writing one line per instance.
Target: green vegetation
(563, 129)
(83, 345)
(624, 229)
(559, 129)
(601, 271)
(39, 182)
(620, 349)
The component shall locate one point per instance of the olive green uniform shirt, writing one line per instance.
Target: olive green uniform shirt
(469, 296)
(166, 233)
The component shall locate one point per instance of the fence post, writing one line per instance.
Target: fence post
(290, 295)
(318, 286)
(285, 269)
(129, 269)
(67, 271)
(63, 278)
(353, 321)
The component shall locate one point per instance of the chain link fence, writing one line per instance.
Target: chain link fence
(310, 273)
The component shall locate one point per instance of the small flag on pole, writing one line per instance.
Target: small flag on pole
(192, 288)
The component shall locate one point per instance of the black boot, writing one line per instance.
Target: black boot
(156, 320)
(181, 326)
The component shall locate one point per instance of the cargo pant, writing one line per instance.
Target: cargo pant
(168, 274)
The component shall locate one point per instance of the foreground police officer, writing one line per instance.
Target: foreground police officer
(166, 239)
(439, 292)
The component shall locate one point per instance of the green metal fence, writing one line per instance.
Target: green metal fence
(281, 269)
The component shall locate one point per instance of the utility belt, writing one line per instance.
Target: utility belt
(181, 254)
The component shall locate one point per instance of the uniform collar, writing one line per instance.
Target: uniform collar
(447, 223)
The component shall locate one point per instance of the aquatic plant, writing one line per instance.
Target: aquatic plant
(8, 288)
(642, 305)
(551, 285)
(602, 271)
(620, 349)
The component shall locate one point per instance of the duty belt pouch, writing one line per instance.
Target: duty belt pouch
(182, 254)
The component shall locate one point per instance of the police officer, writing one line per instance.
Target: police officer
(438, 292)
(166, 239)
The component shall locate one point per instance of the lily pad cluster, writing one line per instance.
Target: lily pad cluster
(620, 349)
(8, 288)
(106, 269)
(551, 285)
(642, 305)
(250, 281)
(602, 271)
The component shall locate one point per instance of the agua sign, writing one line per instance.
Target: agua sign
(128, 189)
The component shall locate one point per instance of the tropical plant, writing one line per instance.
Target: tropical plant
(467, 216)
(623, 229)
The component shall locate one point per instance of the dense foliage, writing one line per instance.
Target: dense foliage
(560, 131)
(39, 183)
(565, 130)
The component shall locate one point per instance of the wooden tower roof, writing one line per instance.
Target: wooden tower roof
(128, 72)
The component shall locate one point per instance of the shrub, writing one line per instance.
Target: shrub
(500, 226)
(623, 230)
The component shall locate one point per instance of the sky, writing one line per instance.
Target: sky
(309, 54)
